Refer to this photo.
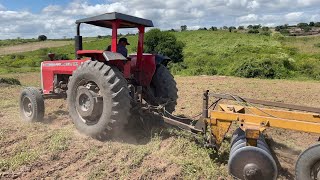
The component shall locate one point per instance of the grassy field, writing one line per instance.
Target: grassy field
(210, 53)
(54, 149)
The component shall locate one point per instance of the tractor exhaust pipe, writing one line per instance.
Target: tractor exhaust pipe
(78, 41)
(250, 162)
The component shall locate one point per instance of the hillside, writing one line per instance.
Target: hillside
(55, 149)
(210, 53)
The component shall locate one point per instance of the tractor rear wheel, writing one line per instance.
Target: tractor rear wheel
(98, 99)
(31, 105)
(164, 86)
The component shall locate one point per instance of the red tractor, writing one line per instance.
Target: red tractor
(103, 87)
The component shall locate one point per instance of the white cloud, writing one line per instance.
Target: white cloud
(293, 16)
(57, 20)
(51, 9)
(248, 18)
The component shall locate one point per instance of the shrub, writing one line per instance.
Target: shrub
(164, 43)
(264, 68)
(253, 31)
(278, 36)
(11, 81)
(317, 45)
(265, 33)
(42, 38)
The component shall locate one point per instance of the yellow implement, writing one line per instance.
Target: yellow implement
(250, 156)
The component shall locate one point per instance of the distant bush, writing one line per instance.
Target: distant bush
(10, 81)
(213, 28)
(241, 28)
(278, 36)
(253, 31)
(285, 31)
(42, 38)
(265, 68)
(265, 33)
(165, 43)
(317, 45)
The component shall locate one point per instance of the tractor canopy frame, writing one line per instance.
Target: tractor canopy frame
(114, 21)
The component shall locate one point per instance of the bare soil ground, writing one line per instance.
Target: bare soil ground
(54, 149)
(32, 46)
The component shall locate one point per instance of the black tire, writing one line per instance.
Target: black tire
(31, 105)
(164, 86)
(308, 163)
(114, 92)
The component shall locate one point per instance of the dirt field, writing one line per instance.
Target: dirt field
(32, 46)
(55, 149)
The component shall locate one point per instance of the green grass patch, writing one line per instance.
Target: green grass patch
(59, 140)
(10, 81)
(209, 53)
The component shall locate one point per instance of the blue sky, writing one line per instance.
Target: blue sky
(56, 18)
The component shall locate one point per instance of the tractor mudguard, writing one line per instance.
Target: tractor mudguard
(101, 55)
(162, 59)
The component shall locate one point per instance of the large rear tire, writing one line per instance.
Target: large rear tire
(98, 99)
(164, 86)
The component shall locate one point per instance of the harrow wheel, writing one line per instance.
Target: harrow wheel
(308, 164)
(31, 105)
(98, 99)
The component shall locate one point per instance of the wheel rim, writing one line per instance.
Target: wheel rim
(315, 171)
(89, 103)
(27, 107)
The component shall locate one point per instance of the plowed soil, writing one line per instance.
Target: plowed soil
(55, 150)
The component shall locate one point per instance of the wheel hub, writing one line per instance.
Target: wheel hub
(88, 104)
(27, 107)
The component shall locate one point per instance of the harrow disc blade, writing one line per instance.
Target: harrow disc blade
(252, 163)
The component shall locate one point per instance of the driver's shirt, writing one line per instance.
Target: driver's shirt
(122, 50)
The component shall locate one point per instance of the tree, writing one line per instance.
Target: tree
(42, 38)
(241, 28)
(250, 26)
(232, 28)
(256, 26)
(165, 43)
(225, 27)
(317, 24)
(213, 28)
(265, 28)
(184, 28)
(99, 37)
(202, 29)
(311, 24)
(302, 25)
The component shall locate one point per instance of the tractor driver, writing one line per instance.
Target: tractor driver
(121, 47)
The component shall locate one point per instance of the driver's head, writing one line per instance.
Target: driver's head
(123, 41)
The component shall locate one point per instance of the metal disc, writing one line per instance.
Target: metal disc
(237, 134)
(258, 158)
(241, 143)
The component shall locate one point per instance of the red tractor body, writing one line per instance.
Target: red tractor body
(104, 89)
(140, 67)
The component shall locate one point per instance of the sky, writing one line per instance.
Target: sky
(56, 18)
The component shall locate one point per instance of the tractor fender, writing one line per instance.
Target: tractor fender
(162, 59)
(101, 55)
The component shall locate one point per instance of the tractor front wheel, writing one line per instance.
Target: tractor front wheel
(31, 105)
(98, 99)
